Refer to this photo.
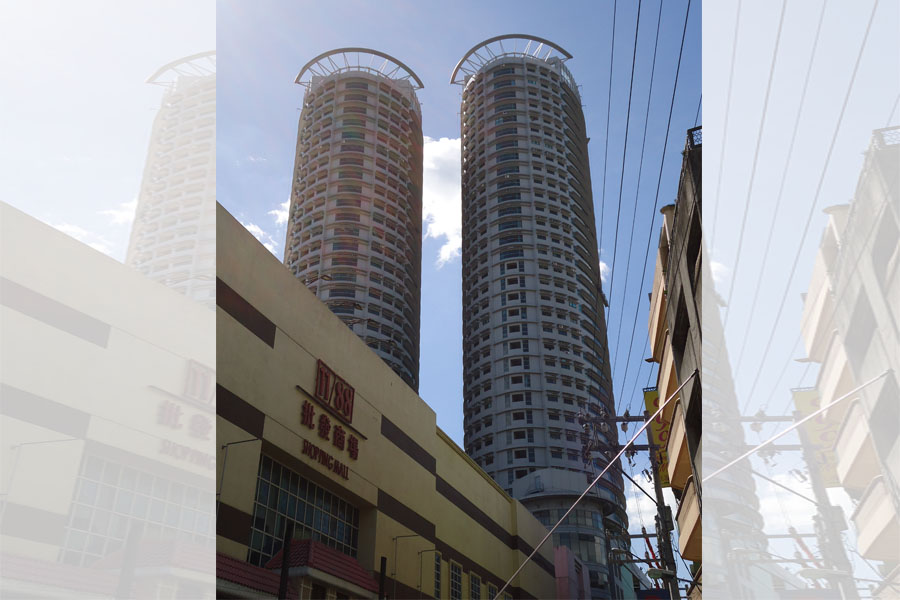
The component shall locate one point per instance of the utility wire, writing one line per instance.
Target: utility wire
(759, 135)
(699, 104)
(793, 427)
(594, 482)
(612, 52)
(812, 206)
(662, 161)
(831, 317)
(893, 110)
(716, 197)
(787, 163)
(634, 213)
(612, 275)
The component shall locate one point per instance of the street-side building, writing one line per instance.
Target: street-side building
(676, 344)
(354, 232)
(534, 334)
(319, 438)
(850, 316)
(107, 417)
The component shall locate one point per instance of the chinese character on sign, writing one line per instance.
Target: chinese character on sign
(353, 446)
(200, 383)
(334, 392)
(200, 426)
(338, 438)
(169, 414)
(307, 415)
(324, 426)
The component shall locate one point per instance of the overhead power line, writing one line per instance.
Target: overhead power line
(635, 211)
(790, 155)
(595, 481)
(612, 52)
(662, 161)
(812, 207)
(759, 135)
(716, 196)
(612, 277)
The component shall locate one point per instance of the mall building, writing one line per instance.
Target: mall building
(322, 442)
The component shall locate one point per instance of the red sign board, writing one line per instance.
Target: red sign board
(334, 393)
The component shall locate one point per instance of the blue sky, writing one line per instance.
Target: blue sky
(261, 47)
(77, 128)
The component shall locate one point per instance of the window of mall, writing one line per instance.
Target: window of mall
(283, 495)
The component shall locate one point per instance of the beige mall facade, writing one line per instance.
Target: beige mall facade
(316, 432)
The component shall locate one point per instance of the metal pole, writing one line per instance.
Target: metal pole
(285, 559)
(224, 461)
(828, 531)
(663, 522)
(394, 576)
(421, 552)
(594, 482)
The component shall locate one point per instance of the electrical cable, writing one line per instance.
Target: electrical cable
(812, 207)
(778, 200)
(594, 482)
(612, 272)
(634, 213)
(715, 211)
(612, 53)
(759, 135)
(793, 427)
(665, 147)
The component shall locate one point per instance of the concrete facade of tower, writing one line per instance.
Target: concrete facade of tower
(173, 237)
(534, 334)
(354, 234)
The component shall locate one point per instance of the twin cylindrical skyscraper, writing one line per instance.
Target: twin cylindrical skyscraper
(534, 334)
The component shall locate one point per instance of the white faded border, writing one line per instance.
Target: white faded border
(107, 374)
(802, 300)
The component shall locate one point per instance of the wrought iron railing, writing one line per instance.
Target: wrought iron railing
(695, 137)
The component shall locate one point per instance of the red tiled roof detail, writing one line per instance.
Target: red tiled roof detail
(63, 576)
(251, 576)
(316, 555)
(163, 553)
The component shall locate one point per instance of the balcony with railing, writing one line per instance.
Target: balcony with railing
(677, 448)
(857, 462)
(690, 526)
(877, 523)
(835, 380)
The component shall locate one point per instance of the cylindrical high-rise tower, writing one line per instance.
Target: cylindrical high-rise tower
(534, 335)
(173, 237)
(354, 233)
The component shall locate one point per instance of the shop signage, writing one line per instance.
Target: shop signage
(334, 393)
(659, 434)
(817, 437)
(325, 459)
(333, 424)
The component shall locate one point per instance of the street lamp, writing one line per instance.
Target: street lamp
(421, 552)
(394, 539)
(225, 460)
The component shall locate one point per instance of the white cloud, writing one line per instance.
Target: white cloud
(604, 272)
(97, 242)
(638, 506)
(442, 196)
(781, 509)
(281, 213)
(123, 215)
(719, 271)
(262, 236)
(256, 159)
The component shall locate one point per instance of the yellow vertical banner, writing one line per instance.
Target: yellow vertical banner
(820, 434)
(659, 434)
